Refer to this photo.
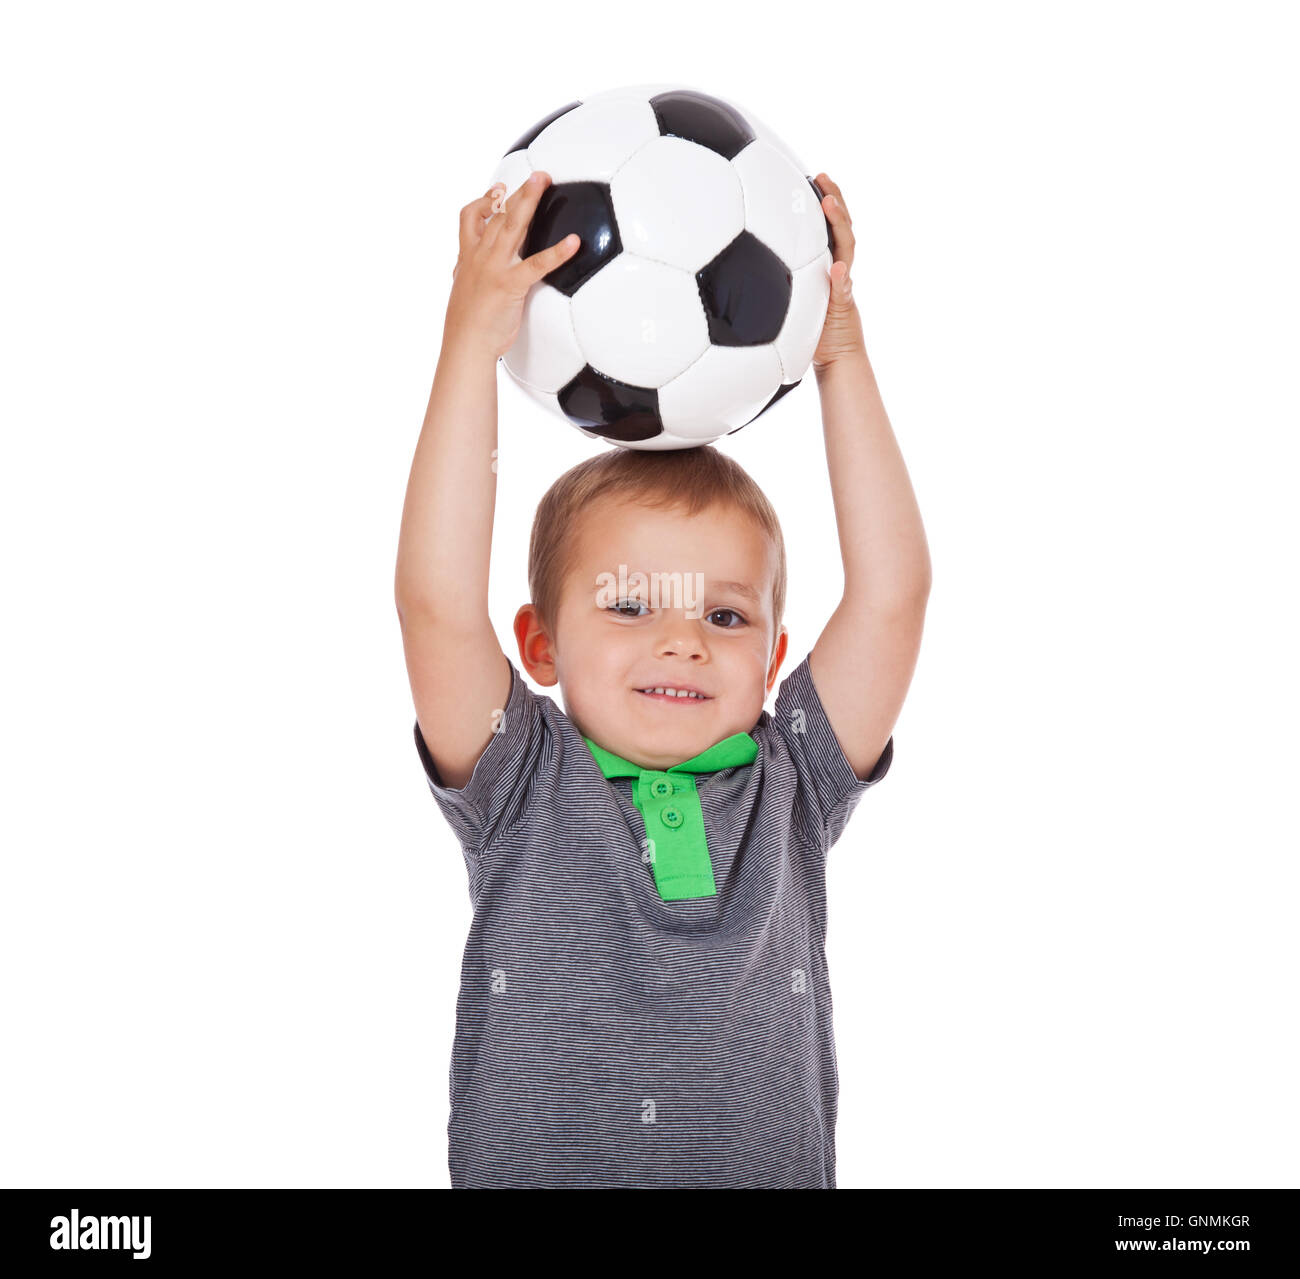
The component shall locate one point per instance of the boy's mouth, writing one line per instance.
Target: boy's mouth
(675, 693)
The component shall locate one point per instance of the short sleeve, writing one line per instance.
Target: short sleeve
(828, 789)
(493, 797)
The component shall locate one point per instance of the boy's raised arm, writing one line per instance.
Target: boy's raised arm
(457, 668)
(864, 658)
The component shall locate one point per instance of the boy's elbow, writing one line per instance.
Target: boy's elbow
(906, 594)
(911, 600)
(409, 604)
(923, 584)
(411, 595)
(401, 599)
(916, 587)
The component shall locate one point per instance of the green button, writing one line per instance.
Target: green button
(661, 786)
(671, 817)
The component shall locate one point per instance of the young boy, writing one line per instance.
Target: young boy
(644, 998)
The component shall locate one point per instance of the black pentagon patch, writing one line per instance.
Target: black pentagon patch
(565, 207)
(780, 391)
(611, 409)
(830, 234)
(530, 137)
(746, 293)
(712, 123)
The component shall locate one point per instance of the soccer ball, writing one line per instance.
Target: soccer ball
(697, 296)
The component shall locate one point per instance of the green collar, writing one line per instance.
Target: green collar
(675, 846)
(731, 752)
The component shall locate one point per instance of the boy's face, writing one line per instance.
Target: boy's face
(703, 630)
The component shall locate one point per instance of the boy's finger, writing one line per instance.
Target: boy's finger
(832, 188)
(543, 262)
(836, 210)
(841, 223)
(519, 209)
(845, 241)
(844, 285)
(475, 212)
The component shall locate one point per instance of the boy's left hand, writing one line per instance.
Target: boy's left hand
(842, 331)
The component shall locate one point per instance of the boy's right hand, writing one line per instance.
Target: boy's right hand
(490, 281)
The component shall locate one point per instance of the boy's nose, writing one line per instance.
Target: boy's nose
(681, 639)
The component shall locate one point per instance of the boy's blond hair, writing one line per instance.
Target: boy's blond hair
(690, 480)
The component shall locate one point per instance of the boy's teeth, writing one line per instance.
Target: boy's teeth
(671, 692)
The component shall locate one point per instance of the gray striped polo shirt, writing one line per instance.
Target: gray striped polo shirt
(608, 1038)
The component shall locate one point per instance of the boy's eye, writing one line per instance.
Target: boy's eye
(731, 612)
(626, 604)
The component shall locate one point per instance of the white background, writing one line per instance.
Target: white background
(1062, 931)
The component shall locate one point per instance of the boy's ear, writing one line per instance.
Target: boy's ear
(778, 656)
(535, 649)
